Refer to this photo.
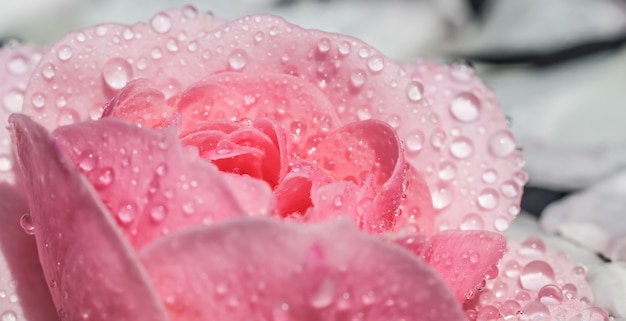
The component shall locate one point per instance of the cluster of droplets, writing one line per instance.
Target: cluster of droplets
(8, 297)
(535, 285)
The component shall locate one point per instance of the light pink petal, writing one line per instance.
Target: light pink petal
(83, 70)
(16, 65)
(535, 283)
(140, 103)
(92, 272)
(476, 177)
(367, 152)
(267, 269)
(464, 258)
(149, 184)
(25, 293)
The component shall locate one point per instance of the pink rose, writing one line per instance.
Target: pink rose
(184, 144)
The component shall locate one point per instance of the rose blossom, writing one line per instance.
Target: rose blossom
(201, 124)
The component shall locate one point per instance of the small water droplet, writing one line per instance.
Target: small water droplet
(488, 199)
(324, 295)
(358, 78)
(580, 270)
(569, 291)
(105, 177)
(415, 90)
(536, 274)
(156, 53)
(18, 65)
(87, 161)
(502, 143)
(437, 138)
(447, 171)
(26, 222)
(224, 147)
(238, 59)
(465, 107)
(8, 316)
(442, 197)
(487, 313)
(48, 71)
(281, 313)
(116, 73)
(161, 23)
(189, 208)
(127, 212)
(489, 176)
(158, 213)
(510, 307)
(532, 247)
(323, 45)
(368, 298)
(537, 311)
(6, 163)
(67, 117)
(461, 147)
(344, 48)
(64, 53)
(376, 63)
(338, 201)
(550, 295)
(161, 169)
(39, 100)
(415, 141)
(13, 101)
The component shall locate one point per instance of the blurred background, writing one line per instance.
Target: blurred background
(558, 67)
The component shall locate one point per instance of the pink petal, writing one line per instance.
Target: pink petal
(536, 283)
(77, 240)
(140, 103)
(25, 293)
(303, 180)
(476, 177)
(87, 67)
(464, 258)
(150, 185)
(265, 269)
(16, 65)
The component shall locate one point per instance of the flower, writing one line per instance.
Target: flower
(177, 140)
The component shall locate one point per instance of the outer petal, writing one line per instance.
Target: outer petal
(92, 272)
(16, 65)
(476, 177)
(150, 185)
(264, 269)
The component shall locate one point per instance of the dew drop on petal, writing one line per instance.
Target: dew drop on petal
(537, 311)
(323, 45)
(87, 161)
(224, 147)
(26, 222)
(570, 291)
(437, 138)
(488, 199)
(158, 213)
(465, 107)
(502, 143)
(48, 71)
(237, 59)
(6, 163)
(116, 73)
(472, 221)
(324, 295)
(447, 171)
(461, 148)
(489, 176)
(13, 101)
(536, 274)
(550, 295)
(488, 312)
(510, 189)
(358, 78)
(64, 53)
(376, 63)
(532, 247)
(38, 100)
(415, 141)
(105, 177)
(8, 316)
(415, 91)
(442, 197)
(67, 117)
(161, 23)
(344, 48)
(510, 308)
(127, 212)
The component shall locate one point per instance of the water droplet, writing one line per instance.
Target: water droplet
(224, 147)
(158, 213)
(48, 71)
(344, 48)
(8, 316)
(61, 101)
(447, 171)
(323, 45)
(461, 72)
(580, 270)
(415, 141)
(368, 298)
(161, 169)
(13, 101)
(161, 23)
(189, 208)
(105, 177)
(376, 63)
(281, 313)
(550, 295)
(64, 53)
(116, 73)
(437, 138)
(488, 199)
(238, 59)
(472, 221)
(465, 107)
(127, 213)
(510, 307)
(190, 12)
(358, 78)
(488, 313)
(461, 148)
(532, 247)
(501, 224)
(442, 197)
(26, 222)
(510, 189)
(594, 314)
(156, 53)
(569, 291)
(87, 161)
(536, 274)
(39, 100)
(502, 143)
(6, 163)
(415, 91)
(474, 257)
(537, 311)
(258, 37)
(489, 176)
(67, 117)
(324, 295)
(18, 65)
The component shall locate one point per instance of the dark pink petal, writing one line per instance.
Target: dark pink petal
(92, 272)
(367, 151)
(139, 103)
(87, 67)
(476, 177)
(148, 182)
(16, 66)
(25, 293)
(464, 258)
(266, 269)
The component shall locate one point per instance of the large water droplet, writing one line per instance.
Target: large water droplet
(8, 316)
(461, 148)
(87, 161)
(26, 222)
(224, 147)
(64, 53)
(550, 295)
(465, 107)
(127, 212)
(161, 23)
(414, 91)
(116, 73)
(510, 307)
(536, 274)
(502, 143)
(238, 59)
(488, 199)
(13, 101)
(324, 295)
(442, 197)
(510, 189)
